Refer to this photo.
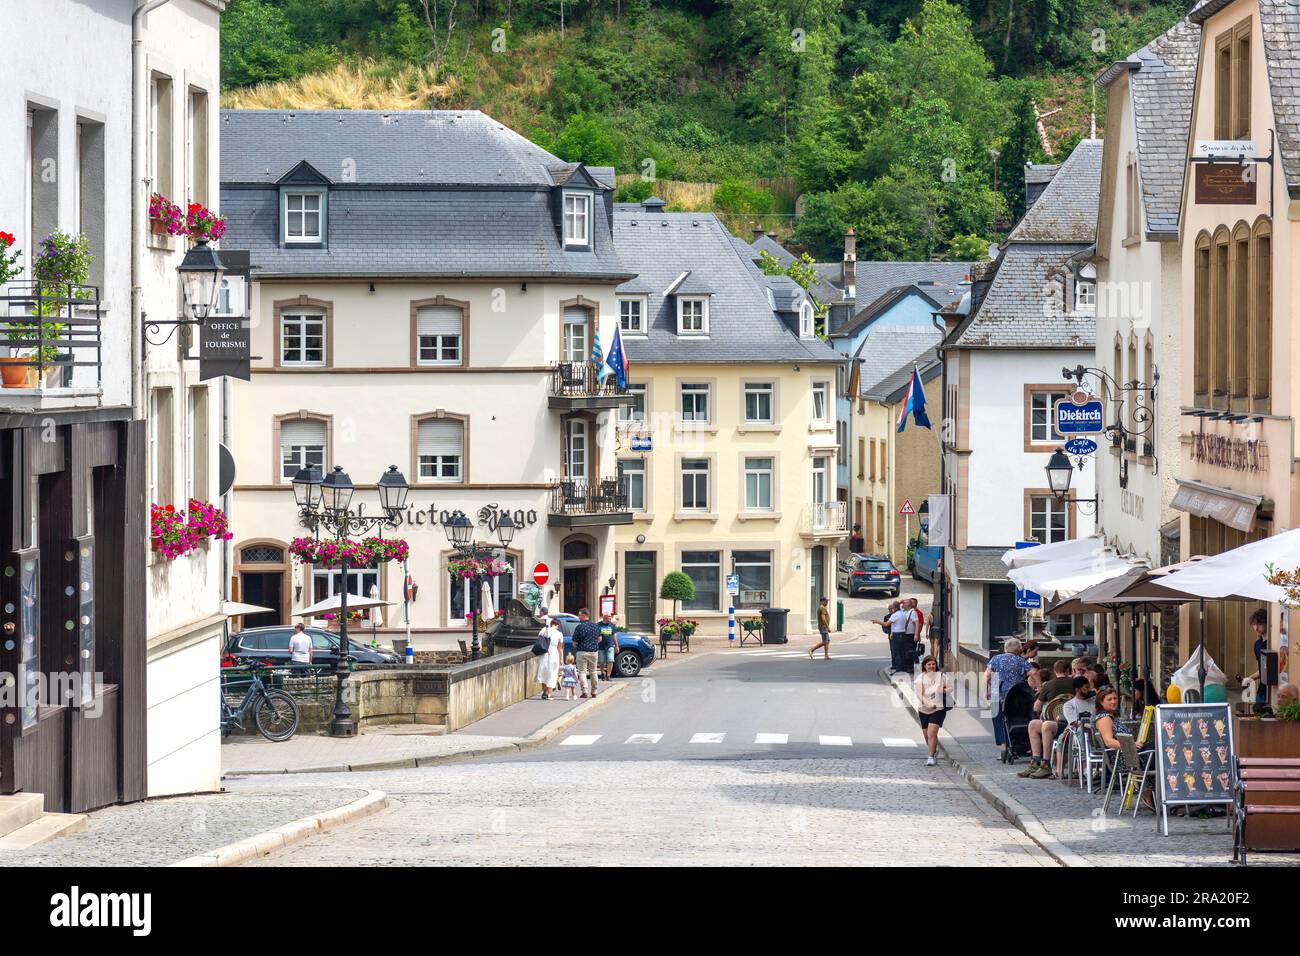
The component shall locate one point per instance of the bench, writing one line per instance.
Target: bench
(681, 638)
(1262, 775)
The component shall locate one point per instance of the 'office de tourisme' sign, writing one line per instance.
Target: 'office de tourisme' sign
(1087, 417)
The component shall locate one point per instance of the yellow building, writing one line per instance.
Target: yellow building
(729, 448)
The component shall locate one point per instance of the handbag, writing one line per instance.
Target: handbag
(541, 645)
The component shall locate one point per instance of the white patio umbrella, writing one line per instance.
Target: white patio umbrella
(356, 602)
(1056, 551)
(1238, 575)
(1058, 580)
(239, 609)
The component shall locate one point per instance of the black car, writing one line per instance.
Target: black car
(272, 644)
(860, 573)
(634, 651)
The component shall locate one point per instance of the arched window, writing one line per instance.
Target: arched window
(1201, 330)
(1219, 320)
(577, 550)
(1262, 320)
(1239, 339)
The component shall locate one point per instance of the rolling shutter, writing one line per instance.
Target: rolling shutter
(438, 320)
(441, 436)
(302, 431)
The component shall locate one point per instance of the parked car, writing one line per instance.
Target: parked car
(860, 573)
(634, 650)
(272, 644)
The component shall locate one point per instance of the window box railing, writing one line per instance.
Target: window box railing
(49, 332)
(583, 496)
(582, 380)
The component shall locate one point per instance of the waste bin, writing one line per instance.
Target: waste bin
(774, 625)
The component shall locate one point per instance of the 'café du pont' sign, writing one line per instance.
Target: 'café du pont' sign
(1080, 414)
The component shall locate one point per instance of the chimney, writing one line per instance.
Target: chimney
(758, 233)
(849, 269)
(653, 204)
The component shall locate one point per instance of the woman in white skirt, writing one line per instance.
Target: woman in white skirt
(548, 664)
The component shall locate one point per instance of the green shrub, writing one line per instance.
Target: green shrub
(638, 190)
(676, 587)
(735, 196)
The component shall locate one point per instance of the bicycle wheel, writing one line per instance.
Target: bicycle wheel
(276, 715)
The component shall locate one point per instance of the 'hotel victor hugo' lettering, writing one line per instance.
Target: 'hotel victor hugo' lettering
(487, 516)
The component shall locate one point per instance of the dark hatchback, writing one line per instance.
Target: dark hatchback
(634, 651)
(860, 573)
(272, 644)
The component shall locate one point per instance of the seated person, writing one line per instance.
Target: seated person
(1075, 709)
(1106, 721)
(1288, 694)
(1060, 684)
(1043, 732)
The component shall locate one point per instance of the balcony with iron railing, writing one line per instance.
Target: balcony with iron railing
(826, 519)
(51, 346)
(577, 385)
(584, 503)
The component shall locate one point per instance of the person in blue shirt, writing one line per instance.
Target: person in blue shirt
(1004, 671)
(608, 646)
(586, 646)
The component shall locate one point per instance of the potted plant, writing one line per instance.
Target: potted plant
(667, 627)
(202, 224)
(14, 369)
(61, 269)
(165, 217)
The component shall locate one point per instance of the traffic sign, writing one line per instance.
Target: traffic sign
(541, 573)
(1081, 446)
(733, 583)
(1027, 600)
(1074, 417)
(907, 508)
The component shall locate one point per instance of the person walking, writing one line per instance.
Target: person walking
(586, 644)
(548, 664)
(569, 678)
(608, 646)
(900, 644)
(915, 623)
(1003, 672)
(299, 646)
(933, 701)
(824, 629)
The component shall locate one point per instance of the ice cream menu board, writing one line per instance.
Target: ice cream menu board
(1194, 753)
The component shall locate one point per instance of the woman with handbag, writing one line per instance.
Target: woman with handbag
(549, 648)
(933, 701)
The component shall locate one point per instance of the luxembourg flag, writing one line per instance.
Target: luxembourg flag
(616, 360)
(914, 403)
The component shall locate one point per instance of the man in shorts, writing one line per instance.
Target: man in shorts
(608, 646)
(824, 629)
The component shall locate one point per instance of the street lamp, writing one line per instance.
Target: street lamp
(201, 273)
(1059, 473)
(460, 534)
(324, 503)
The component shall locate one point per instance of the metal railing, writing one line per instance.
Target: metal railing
(582, 380)
(49, 326)
(582, 496)
(303, 682)
(827, 517)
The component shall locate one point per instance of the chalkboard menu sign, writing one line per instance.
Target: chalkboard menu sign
(1193, 755)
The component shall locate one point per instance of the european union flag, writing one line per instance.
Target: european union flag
(616, 360)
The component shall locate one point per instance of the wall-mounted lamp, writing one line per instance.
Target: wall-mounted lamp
(372, 288)
(523, 287)
(640, 539)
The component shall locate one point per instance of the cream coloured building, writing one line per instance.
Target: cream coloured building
(426, 289)
(728, 449)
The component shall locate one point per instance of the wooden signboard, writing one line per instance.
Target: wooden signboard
(1224, 184)
(1194, 756)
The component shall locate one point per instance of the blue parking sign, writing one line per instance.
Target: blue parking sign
(1028, 600)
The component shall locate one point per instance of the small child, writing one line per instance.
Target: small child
(569, 680)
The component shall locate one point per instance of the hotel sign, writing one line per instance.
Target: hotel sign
(1225, 184)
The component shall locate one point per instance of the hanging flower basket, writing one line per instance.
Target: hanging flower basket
(165, 217)
(202, 223)
(173, 533)
(472, 567)
(355, 554)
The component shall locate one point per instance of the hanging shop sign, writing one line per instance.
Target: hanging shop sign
(1080, 414)
(1225, 184)
(225, 347)
(640, 443)
(1224, 149)
(1080, 446)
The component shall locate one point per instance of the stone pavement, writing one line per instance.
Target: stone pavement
(1072, 817)
(164, 831)
(768, 812)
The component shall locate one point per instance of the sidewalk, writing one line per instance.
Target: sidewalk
(1066, 820)
(165, 831)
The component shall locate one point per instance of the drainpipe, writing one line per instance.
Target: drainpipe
(944, 611)
(139, 103)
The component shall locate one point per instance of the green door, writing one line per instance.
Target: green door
(639, 592)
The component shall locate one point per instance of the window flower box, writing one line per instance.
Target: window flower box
(165, 217)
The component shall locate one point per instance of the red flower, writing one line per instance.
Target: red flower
(6, 238)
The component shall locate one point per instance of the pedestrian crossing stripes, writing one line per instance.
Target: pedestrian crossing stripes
(823, 740)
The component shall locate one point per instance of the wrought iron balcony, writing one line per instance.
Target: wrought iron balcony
(577, 385)
(51, 344)
(826, 519)
(581, 502)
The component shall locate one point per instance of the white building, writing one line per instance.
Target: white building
(1030, 314)
(177, 91)
(1139, 294)
(426, 289)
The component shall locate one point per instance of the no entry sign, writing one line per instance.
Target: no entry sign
(541, 573)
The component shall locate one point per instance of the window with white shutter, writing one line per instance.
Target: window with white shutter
(576, 346)
(302, 445)
(440, 449)
(439, 330)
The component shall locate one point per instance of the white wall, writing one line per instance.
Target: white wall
(184, 737)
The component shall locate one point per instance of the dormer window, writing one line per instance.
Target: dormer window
(303, 214)
(806, 320)
(1085, 289)
(577, 219)
(692, 315)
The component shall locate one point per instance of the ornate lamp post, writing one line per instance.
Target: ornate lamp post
(325, 503)
(460, 534)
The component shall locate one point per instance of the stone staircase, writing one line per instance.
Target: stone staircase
(24, 822)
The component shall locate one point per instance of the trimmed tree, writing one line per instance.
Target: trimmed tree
(677, 587)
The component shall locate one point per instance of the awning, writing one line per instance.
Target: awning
(1238, 575)
(1232, 508)
(1058, 580)
(1056, 551)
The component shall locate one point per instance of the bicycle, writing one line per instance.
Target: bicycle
(275, 713)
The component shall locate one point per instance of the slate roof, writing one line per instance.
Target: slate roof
(429, 194)
(884, 303)
(1280, 22)
(891, 390)
(1162, 81)
(1024, 307)
(872, 279)
(890, 348)
(980, 564)
(743, 326)
(1067, 209)
(773, 248)
(377, 147)
(1039, 173)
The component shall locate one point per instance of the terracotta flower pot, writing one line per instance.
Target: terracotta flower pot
(15, 373)
(158, 227)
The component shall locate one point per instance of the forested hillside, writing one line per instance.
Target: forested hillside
(907, 119)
